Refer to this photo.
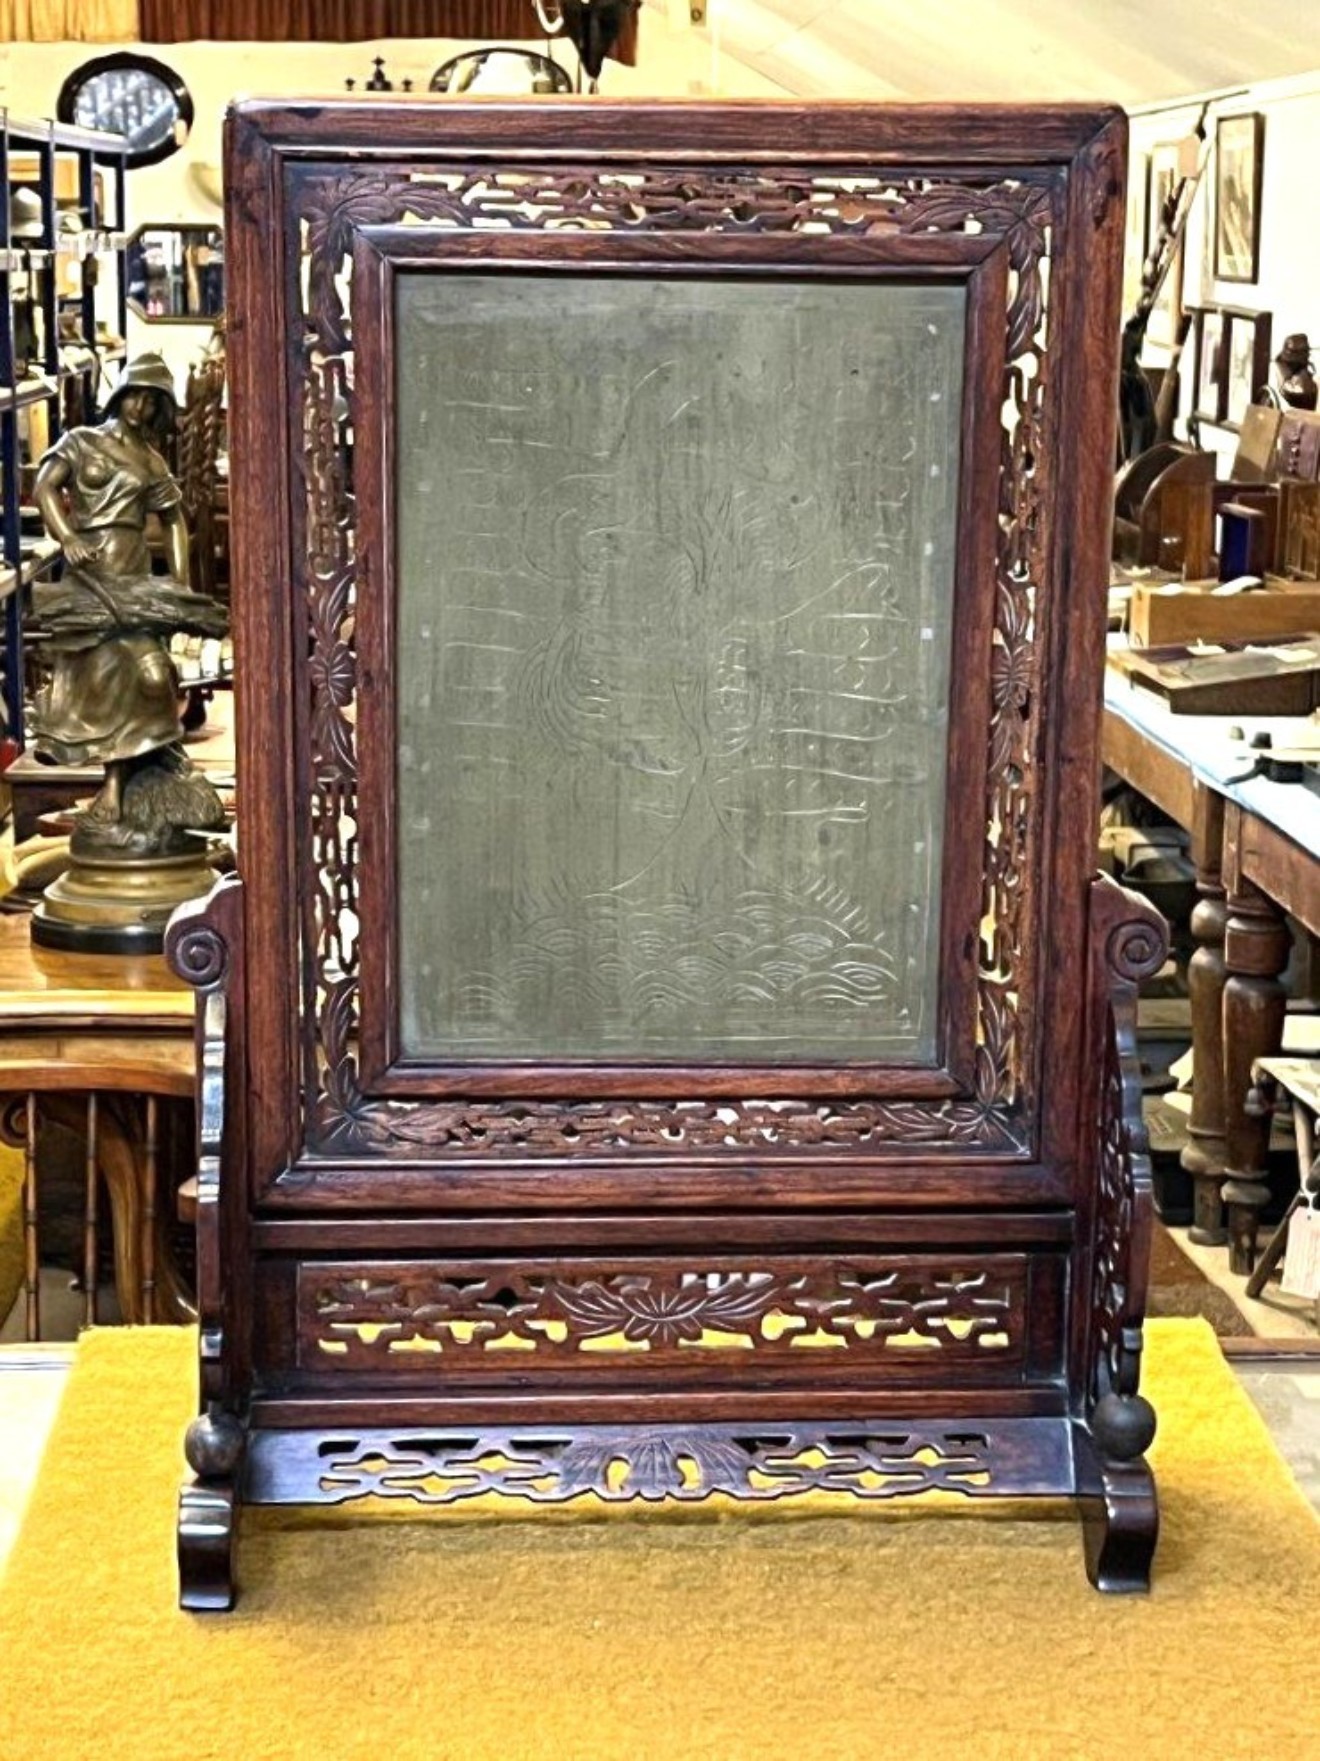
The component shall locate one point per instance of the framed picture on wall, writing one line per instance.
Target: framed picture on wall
(1163, 178)
(1239, 167)
(1246, 362)
(1208, 401)
(1136, 238)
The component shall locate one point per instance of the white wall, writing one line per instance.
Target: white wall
(1288, 284)
(677, 63)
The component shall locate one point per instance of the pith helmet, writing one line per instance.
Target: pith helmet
(1295, 348)
(144, 373)
(26, 219)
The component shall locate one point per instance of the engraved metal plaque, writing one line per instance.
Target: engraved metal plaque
(675, 583)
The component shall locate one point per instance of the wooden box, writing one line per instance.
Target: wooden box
(1187, 612)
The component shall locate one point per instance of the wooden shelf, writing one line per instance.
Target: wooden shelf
(32, 390)
(35, 566)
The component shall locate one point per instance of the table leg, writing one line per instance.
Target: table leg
(31, 1245)
(1203, 1156)
(146, 1277)
(1256, 944)
(90, 1255)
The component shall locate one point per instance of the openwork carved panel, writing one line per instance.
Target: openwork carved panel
(636, 1316)
(632, 1462)
(329, 208)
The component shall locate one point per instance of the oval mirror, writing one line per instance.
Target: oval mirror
(130, 95)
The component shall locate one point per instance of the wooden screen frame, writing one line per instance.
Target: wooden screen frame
(364, 1259)
(321, 178)
(380, 255)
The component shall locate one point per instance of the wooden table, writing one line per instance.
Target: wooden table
(1256, 846)
(82, 1038)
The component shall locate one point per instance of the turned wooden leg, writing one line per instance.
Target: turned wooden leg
(149, 1283)
(1203, 1156)
(1256, 944)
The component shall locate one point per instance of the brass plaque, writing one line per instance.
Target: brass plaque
(675, 583)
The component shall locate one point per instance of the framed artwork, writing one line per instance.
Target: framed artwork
(1137, 233)
(1246, 357)
(1208, 401)
(1239, 167)
(1163, 177)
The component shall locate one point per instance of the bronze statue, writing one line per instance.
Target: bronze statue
(113, 695)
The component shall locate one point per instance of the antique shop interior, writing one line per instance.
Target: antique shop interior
(145, 617)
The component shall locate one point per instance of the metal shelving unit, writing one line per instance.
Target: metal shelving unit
(65, 375)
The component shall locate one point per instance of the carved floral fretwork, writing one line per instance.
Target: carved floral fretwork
(355, 1318)
(621, 1463)
(996, 1116)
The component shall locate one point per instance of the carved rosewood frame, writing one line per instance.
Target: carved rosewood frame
(725, 209)
(385, 1245)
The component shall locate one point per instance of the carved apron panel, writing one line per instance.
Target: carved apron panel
(642, 1316)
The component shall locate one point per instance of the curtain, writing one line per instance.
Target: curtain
(68, 21)
(348, 21)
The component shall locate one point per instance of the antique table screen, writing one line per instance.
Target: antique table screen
(666, 1039)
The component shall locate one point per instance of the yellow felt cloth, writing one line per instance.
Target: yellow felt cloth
(451, 1640)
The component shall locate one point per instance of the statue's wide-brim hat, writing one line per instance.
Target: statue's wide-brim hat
(145, 373)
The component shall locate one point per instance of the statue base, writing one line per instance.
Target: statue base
(100, 906)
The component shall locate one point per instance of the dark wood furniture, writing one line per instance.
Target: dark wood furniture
(900, 1245)
(1250, 876)
(200, 443)
(1163, 514)
(94, 1044)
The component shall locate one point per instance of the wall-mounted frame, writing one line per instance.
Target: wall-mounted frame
(176, 274)
(1239, 170)
(1232, 362)
(1164, 174)
(131, 95)
(1136, 231)
(1208, 379)
(1246, 361)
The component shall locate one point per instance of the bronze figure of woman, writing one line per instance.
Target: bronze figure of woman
(113, 694)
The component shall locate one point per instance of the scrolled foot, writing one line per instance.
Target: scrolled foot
(207, 1523)
(1120, 1518)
